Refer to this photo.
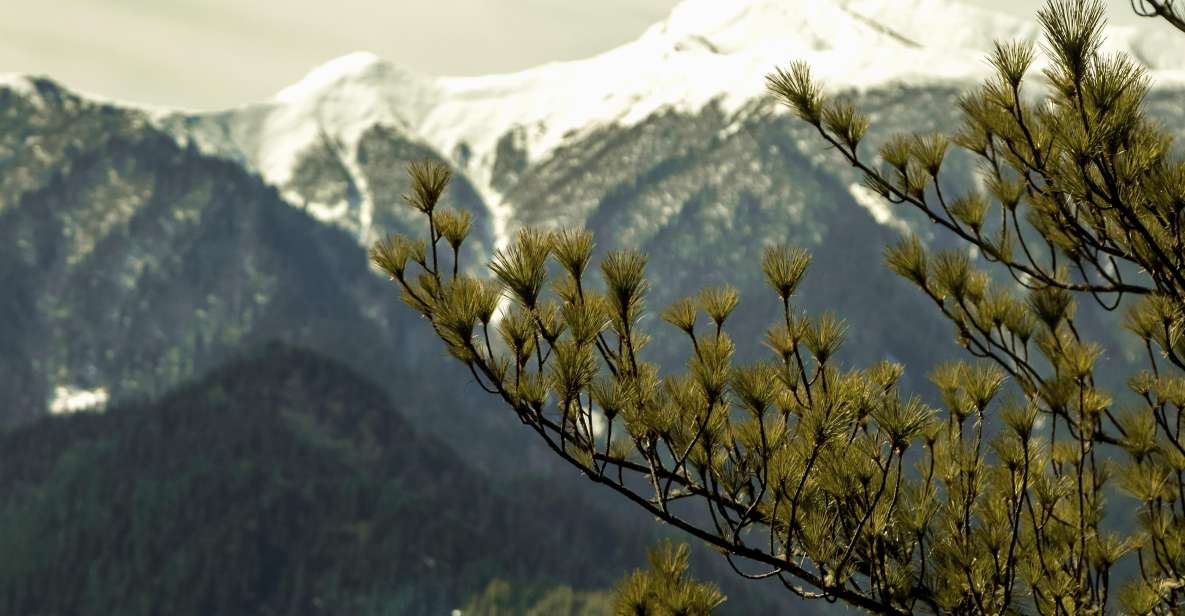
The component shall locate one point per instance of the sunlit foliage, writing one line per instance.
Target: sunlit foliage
(830, 479)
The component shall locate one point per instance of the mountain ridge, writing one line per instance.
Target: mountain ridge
(703, 54)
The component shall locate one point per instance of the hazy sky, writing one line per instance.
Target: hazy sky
(206, 54)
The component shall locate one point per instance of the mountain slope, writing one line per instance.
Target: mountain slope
(668, 144)
(131, 264)
(665, 144)
(283, 482)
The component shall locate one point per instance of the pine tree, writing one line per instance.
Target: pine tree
(666, 589)
(830, 479)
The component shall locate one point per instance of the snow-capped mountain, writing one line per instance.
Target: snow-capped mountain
(668, 143)
(707, 52)
(137, 263)
(140, 248)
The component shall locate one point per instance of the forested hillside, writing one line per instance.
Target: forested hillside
(284, 483)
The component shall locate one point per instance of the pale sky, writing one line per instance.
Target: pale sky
(208, 54)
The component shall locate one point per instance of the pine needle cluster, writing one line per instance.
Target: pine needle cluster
(828, 478)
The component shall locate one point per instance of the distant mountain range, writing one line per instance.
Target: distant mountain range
(140, 248)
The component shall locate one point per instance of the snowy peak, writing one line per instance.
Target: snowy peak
(854, 25)
(869, 28)
(360, 88)
(360, 65)
(942, 24)
(358, 68)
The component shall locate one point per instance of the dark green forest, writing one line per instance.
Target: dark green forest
(282, 483)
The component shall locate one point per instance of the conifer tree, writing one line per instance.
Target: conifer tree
(666, 589)
(830, 479)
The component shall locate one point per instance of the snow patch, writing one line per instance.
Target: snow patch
(349, 159)
(69, 399)
(323, 212)
(600, 423)
(500, 215)
(21, 84)
(328, 75)
(881, 210)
